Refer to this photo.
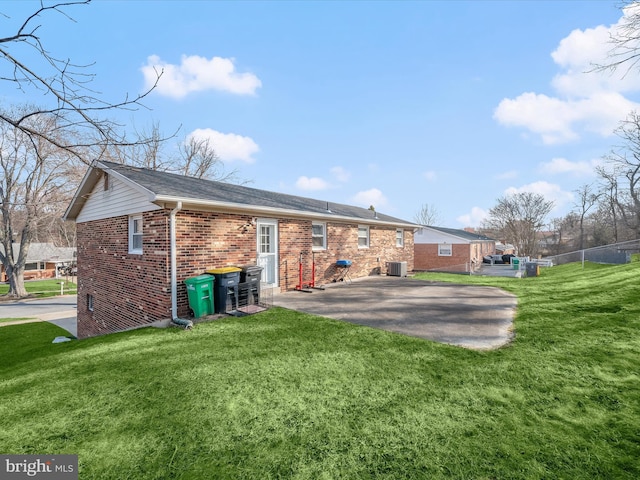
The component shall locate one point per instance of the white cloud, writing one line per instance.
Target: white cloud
(228, 146)
(195, 74)
(562, 165)
(430, 175)
(585, 99)
(550, 191)
(473, 218)
(340, 174)
(507, 175)
(370, 197)
(313, 183)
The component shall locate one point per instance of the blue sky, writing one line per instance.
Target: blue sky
(391, 104)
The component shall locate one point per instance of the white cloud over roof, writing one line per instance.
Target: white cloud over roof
(562, 165)
(340, 174)
(196, 74)
(313, 183)
(550, 191)
(585, 99)
(228, 146)
(473, 218)
(373, 196)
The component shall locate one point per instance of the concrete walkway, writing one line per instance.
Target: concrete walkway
(469, 316)
(61, 311)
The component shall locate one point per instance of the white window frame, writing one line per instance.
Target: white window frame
(366, 237)
(133, 234)
(323, 237)
(399, 237)
(90, 301)
(445, 247)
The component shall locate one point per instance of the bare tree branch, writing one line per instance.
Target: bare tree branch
(71, 101)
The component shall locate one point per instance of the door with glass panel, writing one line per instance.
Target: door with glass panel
(268, 249)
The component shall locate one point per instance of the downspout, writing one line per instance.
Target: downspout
(187, 324)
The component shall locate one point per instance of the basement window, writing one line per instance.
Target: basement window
(135, 234)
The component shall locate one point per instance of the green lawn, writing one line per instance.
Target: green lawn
(45, 288)
(5, 320)
(289, 395)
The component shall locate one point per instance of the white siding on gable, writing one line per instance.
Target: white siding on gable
(119, 199)
(428, 235)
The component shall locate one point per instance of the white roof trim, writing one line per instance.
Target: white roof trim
(244, 208)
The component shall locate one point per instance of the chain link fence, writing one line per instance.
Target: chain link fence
(617, 253)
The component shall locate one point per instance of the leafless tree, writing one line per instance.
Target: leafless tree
(40, 141)
(620, 173)
(519, 218)
(33, 179)
(199, 159)
(624, 40)
(428, 215)
(64, 84)
(587, 199)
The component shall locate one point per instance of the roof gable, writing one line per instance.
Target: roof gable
(430, 233)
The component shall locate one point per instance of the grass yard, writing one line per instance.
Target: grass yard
(289, 395)
(45, 288)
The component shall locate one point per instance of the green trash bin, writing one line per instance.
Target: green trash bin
(515, 261)
(200, 293)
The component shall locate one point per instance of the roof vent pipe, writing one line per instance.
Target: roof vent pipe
(187, 324)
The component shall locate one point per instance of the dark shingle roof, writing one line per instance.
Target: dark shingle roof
(164, 184)
(463, 234)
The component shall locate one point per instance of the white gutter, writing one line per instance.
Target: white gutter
(174, 269)
(275, 211)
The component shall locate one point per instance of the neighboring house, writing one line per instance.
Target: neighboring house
(43, 260)
(451, 250)
(141, 233)
(505, 249)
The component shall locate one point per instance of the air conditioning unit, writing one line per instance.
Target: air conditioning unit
(397, 269)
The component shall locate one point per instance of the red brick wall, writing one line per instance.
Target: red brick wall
(133, 290)
(427, 258)
(342, 243)
(128, 290)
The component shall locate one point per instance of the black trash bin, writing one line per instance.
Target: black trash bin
(249, 287)
(532, 269)
(225, 291)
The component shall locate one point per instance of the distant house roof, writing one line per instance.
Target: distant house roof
(45, 252)
(164, 189)
(428, 234)
(463, 234)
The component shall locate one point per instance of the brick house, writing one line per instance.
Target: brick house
(44, 260)
(141, 233)
(450, 250)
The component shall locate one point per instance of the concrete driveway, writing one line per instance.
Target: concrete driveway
(61, 311)
(469, 316)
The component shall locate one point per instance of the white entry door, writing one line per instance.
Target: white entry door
(268, 249)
